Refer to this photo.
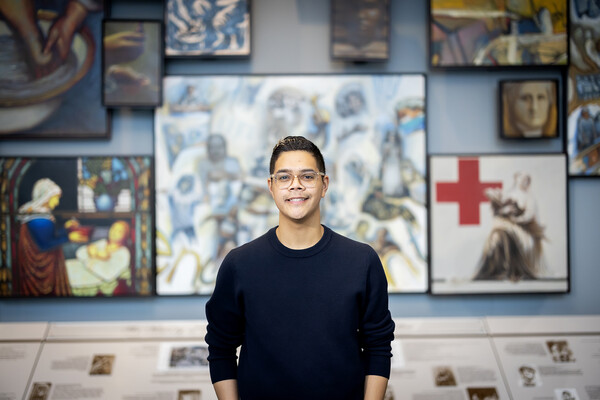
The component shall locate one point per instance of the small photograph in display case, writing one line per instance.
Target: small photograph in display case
(528, 109)
(528, 376)
(497, 34)
(207, 29)
(132, 63)
(40, 391)
(498, 224)
(360, 30)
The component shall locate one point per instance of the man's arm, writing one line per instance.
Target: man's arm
(227, 389)
(375, 386)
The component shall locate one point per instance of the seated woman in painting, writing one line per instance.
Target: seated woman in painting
(513, 249)
(40, 259)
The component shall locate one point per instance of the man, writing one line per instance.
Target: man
(309, 307)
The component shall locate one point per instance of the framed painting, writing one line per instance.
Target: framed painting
(51, 87)
(501, 33)
(208, 29)
(529, 108)
(76, 227)
(213, 141)
(583, 126)
(132, 77)
(498, 224)
(360, 30)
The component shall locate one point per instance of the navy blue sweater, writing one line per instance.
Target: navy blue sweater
(312, 323)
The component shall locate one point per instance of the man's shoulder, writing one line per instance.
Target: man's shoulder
(350, 245)
(253, 246)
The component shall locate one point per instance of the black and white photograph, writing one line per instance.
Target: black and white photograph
(102, 364)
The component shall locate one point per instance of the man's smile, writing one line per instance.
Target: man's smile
(296, 199)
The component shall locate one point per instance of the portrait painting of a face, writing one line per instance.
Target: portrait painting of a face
(529, 109)
(498, 224)
(214, 136)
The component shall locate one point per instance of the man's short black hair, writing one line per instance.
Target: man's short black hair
(296, 143)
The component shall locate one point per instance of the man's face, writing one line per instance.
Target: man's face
(297, 203)
(532, 105)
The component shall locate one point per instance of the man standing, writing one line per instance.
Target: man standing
(308, 306)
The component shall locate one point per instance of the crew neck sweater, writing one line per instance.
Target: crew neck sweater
(311, 323)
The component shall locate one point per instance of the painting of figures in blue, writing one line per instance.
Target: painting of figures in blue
(207, 28)
(213, 141)
(583, 139)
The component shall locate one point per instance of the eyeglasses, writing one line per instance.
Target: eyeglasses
(308, 179)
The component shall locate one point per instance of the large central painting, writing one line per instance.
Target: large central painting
(214, 136)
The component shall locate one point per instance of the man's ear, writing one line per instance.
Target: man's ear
(325, 185)
(270, 185)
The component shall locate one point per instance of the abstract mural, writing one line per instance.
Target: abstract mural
(213, 141)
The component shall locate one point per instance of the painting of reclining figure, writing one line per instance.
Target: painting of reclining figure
(498, 33)
(76, 227)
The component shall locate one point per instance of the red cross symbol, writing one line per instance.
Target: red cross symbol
(468, 192)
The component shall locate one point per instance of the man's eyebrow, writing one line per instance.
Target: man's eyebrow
(290, 170)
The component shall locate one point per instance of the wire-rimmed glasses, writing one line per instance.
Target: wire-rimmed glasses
(284, 179)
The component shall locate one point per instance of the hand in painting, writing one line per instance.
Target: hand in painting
(60, 35)
(20, 16)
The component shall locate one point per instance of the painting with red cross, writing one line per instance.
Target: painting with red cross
(498, 224)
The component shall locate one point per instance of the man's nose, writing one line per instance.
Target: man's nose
(296, 183)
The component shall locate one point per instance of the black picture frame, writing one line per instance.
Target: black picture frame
(112, 200)
(529, 109)
(360, 30)
(68, 105)
(133, 78)
(520, 38)
(527, 218)
(186, 35)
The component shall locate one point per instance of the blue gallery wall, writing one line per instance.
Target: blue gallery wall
(292, 36)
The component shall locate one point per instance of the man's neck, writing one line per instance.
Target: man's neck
(297, 236)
